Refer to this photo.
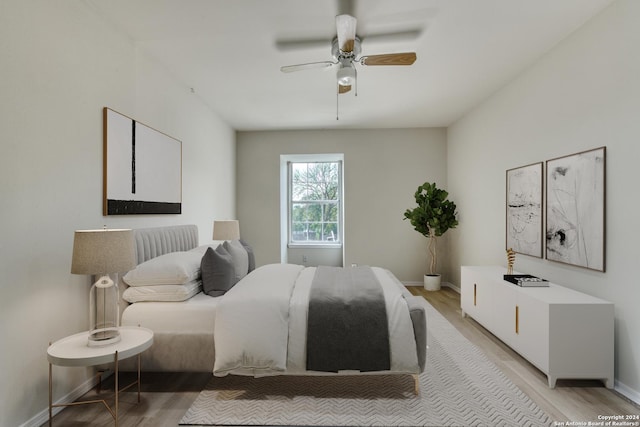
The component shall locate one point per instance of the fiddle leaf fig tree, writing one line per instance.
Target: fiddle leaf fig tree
(433, 216)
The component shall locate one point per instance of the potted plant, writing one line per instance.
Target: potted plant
(433, 216)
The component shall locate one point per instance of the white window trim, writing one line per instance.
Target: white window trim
(285, 159)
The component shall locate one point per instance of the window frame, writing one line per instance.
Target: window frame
(287, 201)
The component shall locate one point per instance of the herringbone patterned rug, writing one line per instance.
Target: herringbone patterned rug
(460, 387)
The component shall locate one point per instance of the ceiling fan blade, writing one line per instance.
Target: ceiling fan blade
(346, 31)
(293, 44)
(307, 66)
(343, 89)
(395, 36)
(405, 58)
(346, 7)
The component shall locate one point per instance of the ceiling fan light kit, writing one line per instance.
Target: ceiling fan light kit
(345, 48)
(346, 75)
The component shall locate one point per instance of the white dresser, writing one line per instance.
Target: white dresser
(564, 333)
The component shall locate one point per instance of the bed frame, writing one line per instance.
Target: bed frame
(156, 241)
(167, 354)
(194, 352)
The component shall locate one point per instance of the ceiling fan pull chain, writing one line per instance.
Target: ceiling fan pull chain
(337, 103)
(356, 88)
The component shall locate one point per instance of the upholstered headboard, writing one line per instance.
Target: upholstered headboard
(156, 241)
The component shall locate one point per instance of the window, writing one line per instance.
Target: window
(314, 205)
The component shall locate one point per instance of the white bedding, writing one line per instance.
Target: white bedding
(251, 330)
(260, 326)
(195, 315)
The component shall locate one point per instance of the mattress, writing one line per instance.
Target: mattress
(195, 315)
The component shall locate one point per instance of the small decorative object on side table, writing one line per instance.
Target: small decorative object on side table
(74, 351)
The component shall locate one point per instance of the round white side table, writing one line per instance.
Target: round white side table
(74, 351)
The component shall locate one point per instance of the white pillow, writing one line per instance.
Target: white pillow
(239, 256)
(162, 293)
(174, 268)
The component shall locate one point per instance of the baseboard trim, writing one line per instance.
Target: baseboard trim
(627, 392)
(413, 283)
(444, 284)
(452, 286)
(42, 417)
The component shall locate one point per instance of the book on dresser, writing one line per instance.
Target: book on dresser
(526, 280)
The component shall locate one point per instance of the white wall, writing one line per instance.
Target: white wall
(60, 65)
(583, 94)
(382, 170)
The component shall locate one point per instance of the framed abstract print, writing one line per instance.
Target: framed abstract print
(524, 209)
(142, 168)
(575, 232)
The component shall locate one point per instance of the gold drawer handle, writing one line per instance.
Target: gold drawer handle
(517, 320)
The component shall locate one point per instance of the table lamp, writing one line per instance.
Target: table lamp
(226, 230)
(101, 253)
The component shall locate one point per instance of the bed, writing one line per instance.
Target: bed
(266, 321)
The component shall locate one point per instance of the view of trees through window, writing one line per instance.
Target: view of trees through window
(315, 198)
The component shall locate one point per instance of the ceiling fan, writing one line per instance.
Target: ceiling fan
(345, 49)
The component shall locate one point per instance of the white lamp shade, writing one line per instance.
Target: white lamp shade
(226, 230)
(101, 252)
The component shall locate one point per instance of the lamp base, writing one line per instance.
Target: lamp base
(102, 337)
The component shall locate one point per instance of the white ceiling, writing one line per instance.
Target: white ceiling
(226, 51)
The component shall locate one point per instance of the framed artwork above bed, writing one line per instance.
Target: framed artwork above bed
(142, 168)
(524, 210)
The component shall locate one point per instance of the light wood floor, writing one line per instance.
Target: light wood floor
(166, 397)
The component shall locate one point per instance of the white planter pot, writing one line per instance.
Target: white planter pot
(432, 282)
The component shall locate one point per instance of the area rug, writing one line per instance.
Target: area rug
(460, 387)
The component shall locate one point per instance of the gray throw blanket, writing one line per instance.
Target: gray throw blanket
(347, 325)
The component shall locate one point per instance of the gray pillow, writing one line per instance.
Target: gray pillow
(218, 273)
(252, 258)
(239, 257)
